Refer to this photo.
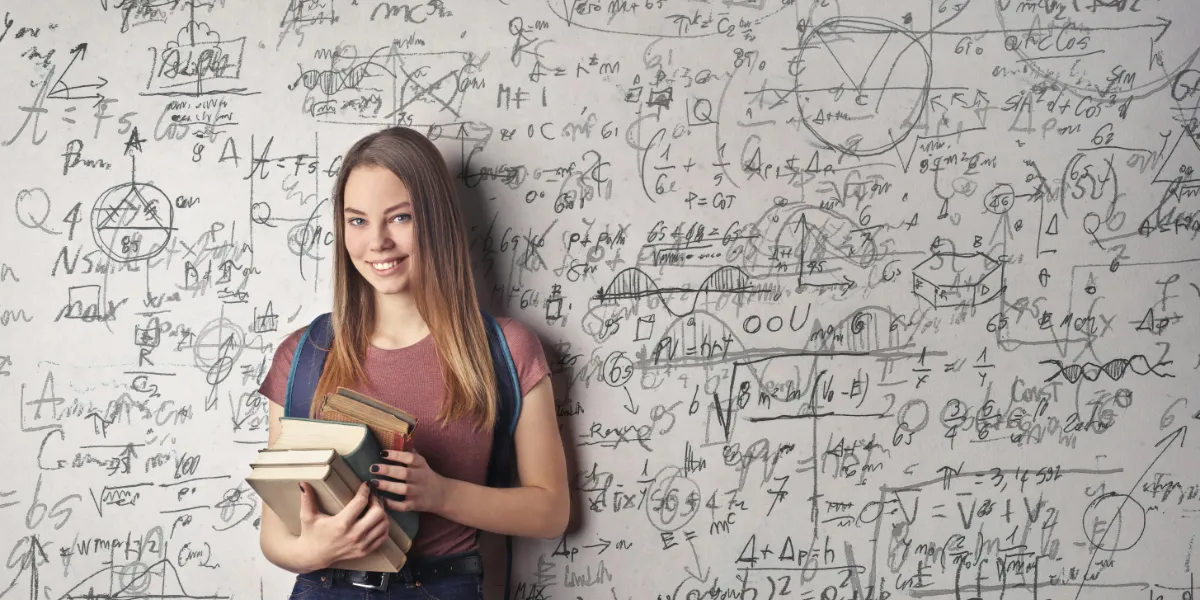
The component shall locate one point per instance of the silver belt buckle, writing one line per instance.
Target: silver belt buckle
(383, 584)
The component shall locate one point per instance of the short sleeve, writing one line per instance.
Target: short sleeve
(274, 385)
(526, 349)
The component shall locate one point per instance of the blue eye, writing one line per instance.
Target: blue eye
(404, 216)
(353, 219)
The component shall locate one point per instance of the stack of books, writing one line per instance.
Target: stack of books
(334, 455)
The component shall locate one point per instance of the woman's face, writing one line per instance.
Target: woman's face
(378, 224)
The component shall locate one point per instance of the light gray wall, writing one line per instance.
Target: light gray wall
(857, 299)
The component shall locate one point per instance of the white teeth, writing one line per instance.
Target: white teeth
(384, 266)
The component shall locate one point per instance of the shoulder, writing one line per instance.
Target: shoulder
(274, 385)
(518, 334)
(527, 352)
(512, 326)
(287, 347)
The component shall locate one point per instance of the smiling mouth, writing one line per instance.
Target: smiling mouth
(384, 266)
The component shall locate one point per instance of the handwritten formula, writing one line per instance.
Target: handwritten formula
(844, 300)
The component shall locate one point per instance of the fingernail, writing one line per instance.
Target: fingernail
(374, 468)
(374, 483)
(383, 453)
(301, 488)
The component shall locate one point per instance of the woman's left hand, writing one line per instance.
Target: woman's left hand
(424, 490)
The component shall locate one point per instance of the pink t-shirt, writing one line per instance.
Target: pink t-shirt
(409, 378)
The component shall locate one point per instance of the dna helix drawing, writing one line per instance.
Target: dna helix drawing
(1115, 369)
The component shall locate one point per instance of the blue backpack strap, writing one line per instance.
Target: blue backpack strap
(307, 364)
(503, 458)
(502, 464)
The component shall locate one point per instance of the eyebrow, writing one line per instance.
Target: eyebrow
(394, 207)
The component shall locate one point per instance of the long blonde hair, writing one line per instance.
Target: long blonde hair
(446, 301)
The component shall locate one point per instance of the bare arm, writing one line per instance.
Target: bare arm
(324, 539)
(283, 549)
(541, 506)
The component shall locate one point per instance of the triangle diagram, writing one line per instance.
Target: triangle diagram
(125, 209)
(1149, 323)
(132, 212)
(1183, 162)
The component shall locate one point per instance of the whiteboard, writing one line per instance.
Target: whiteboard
(842, 299)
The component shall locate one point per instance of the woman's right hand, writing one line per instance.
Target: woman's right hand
(346, 535)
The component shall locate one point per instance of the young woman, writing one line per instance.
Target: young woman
(408, 332)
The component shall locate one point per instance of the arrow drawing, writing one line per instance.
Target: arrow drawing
(603, 545)
(62, 91)
(633, 409)
(1166, 443)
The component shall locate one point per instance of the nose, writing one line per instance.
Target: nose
(382, 239)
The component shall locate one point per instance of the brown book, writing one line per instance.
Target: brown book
(277, 483)
(393, 427)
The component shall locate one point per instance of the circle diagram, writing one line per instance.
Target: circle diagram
(1116, 514)
(132, 221)
(1000, 199)
(861, 84)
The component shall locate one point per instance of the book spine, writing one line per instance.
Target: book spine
(398, 413)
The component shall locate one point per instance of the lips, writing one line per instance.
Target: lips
(387, 266)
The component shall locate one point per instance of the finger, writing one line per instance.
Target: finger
(380, 528)
(393, 471)
(400, 456)
(377, 512)
(400, 505)
(377, 537)
(400, 488)
(369, 542)
(356, 504)
(365, 523)
(308, 507)
(389, 504)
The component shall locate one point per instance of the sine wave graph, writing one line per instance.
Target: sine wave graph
(635, 284)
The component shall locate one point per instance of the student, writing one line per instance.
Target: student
(408, 331)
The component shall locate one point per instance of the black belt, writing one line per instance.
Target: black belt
(415, 569)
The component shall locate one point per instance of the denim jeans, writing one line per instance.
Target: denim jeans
(310, 586)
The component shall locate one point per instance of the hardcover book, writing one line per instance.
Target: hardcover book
(358, 447)
(392, 426)
(275, 475)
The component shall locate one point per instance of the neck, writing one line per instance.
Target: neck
(398, 323)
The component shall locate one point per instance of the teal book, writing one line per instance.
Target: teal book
(358, 448)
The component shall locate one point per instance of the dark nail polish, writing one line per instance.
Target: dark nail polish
(383, 453)
(374, 468)
(374, 483)
(301, 488)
